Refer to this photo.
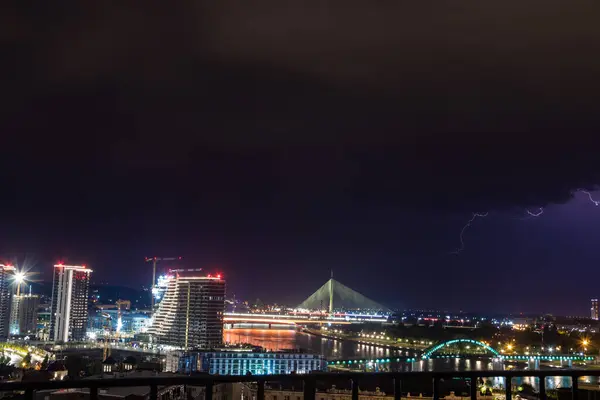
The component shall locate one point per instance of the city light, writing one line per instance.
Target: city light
(20, 277)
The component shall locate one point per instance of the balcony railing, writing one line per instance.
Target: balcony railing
(309, 382)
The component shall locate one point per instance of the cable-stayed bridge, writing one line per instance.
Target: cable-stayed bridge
(336, 295)
(332, 303)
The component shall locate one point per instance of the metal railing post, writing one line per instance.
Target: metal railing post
(355, 388)
(260, 390)
(542, 387)
(575, 387)
(208, 389)
(397, 389)
(29, 394)
(436, 388)
(473, 389)
(309, 388)
(508, 387)
(153, 392)
(94, 393)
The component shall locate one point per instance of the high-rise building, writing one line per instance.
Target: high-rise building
(24, 313)
(6, 273)
(191, 312)
(595, 310)
(69, 302)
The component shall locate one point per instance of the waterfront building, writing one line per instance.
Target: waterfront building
(190, 316)
(225, 362)
(6, 273)
(24, 314)
(69, 309)
(594, 310)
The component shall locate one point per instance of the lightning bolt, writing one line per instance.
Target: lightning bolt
(530, 214)
(589, 195)
(535, 214)
(462, 231)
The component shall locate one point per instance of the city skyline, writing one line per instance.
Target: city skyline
(142, 292)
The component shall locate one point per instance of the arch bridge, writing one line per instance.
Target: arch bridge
(431, 350)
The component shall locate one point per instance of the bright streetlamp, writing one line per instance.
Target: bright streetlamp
(19, 278)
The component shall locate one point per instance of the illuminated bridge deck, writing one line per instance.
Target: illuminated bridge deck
(359, 361)
(547, 357)
(302, 319)
(362, 361)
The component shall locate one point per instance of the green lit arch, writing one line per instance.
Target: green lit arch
(438, 346)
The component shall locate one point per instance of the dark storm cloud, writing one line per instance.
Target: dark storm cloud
(438, 104)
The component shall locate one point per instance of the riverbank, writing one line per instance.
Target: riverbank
(373, 342)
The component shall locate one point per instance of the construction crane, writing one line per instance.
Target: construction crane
(155, 260)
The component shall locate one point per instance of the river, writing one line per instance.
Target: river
(274, 339)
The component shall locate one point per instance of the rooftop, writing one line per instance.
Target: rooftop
(81, 268)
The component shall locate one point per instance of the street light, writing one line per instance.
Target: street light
(20, 277)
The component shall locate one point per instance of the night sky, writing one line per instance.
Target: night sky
(277, 141)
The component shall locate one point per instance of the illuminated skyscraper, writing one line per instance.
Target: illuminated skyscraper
(191, 312)
(69, 302)
(6, 273)
(594, 310)
(23, 316)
